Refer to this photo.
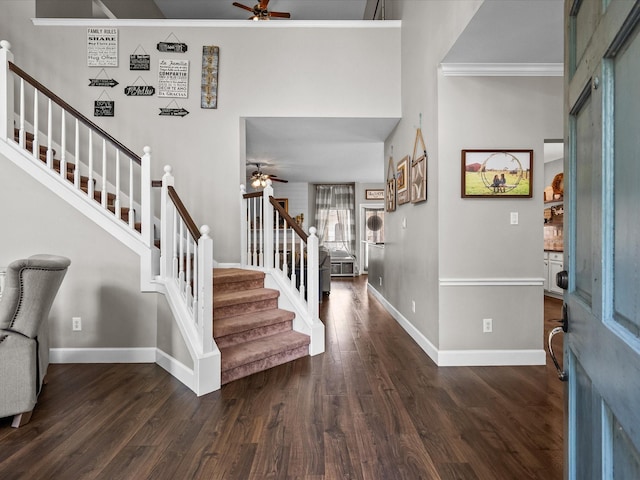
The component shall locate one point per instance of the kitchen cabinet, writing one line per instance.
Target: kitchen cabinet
(553, 263)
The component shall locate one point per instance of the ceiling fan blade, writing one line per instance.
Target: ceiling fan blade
(236, 4)
(280, 14)
(278, 180)
(263, 4)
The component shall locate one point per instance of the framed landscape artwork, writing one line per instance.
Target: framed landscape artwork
(497, 173)
(403, 179)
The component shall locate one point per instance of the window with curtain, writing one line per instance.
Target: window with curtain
(335, 217)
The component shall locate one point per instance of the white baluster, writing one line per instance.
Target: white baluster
(103, 198)
(293, 257)
(174, 214)
(76, 172)
(117, 200)
(269, 225)
(302, 271)
(313, 277)
(244, 225)
(63, 144)
(132, 221)
(21, 141)
(181, 254)
(254, 260)
(187, 277)
(49, 126)
(285, 263)
(35, 146)
(90, 189)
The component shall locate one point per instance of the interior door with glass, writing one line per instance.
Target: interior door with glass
(372, 231)
(602, 344)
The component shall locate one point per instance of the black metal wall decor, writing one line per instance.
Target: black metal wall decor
(139, 90)
(102, 82)
(173, 110)
(174, 47)
(104, 108)
(209, 90)
(139, 61)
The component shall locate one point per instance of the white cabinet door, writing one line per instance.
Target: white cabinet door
(554, 268)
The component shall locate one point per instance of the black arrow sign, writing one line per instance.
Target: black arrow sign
(102, 82)
(173, 112)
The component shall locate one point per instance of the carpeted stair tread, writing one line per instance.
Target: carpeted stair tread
(235, 275)
(226, 299)
(242, 323)
(246, 353)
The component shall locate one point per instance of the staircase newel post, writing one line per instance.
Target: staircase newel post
(146, 199)
(166, 225)
(205, 285)
(244, 223)
(313, 274)
(6, 92)
(268, 225)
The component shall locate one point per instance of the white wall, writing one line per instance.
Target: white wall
(477, 239)
(411, 254)
(102, 285)
(265, 70)
(449, 241)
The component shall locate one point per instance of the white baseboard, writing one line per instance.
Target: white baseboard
(422, 341)
(462, 358)
(102, 355)
(490, 358)
(179, 370)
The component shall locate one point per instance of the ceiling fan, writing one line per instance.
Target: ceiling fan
(259, 178)
(260, 11)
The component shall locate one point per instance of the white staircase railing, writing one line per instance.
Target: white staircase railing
(94, 163)
(91, 161)
(272, 241)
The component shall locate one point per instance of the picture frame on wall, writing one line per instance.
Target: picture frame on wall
(374, 194)
(419, 179)
(497, 173)
(390, 195)
(403, 179)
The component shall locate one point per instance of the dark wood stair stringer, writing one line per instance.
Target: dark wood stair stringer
(252, 333)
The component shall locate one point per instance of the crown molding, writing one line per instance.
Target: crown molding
(174, 23)
(502, 69)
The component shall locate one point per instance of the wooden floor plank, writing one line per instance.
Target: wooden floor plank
(373, 406)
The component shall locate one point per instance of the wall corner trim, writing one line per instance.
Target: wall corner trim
(502, 69)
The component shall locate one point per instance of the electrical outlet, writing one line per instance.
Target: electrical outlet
(487, 325)
(413, 306)
(76, 324)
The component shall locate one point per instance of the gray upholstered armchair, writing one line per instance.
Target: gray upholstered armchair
(31, 285)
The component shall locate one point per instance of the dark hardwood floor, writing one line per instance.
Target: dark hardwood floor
(373, 406)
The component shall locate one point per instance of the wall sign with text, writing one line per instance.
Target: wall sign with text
(102, 47)
(173, 78)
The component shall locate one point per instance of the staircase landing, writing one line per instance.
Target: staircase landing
(252, 333)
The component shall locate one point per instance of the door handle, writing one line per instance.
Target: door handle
(562, 375)
(562, 279)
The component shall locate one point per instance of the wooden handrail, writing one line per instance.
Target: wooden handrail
(29, 79)
(288, 219)
(252, 195)
(182, 211)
